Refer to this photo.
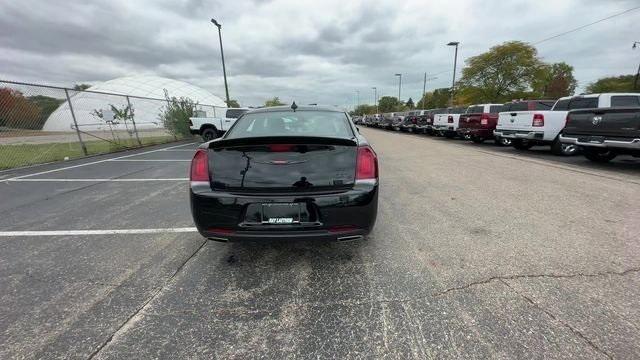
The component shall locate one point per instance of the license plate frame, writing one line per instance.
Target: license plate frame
(281, 213)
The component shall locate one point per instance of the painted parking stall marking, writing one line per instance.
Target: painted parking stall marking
(96, 232)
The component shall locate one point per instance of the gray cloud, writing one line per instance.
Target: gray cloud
(308, 51)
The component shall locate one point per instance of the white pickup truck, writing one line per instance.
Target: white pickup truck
(446, 124)
(210, 128)
(542, 127)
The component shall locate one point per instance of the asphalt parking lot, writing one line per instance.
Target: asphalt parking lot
(478, 252)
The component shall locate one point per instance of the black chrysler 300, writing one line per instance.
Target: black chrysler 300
(286, 173)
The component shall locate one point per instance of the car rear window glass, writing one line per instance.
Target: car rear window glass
(475, 109)
(457, 110)
(562, 105)
(544, 105)
(439, 111)
(495, 108)
(235, 113)
(583, 103)
(289, 123)
(625, 101)
(516, 106)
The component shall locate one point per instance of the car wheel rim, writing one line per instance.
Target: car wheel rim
(505, 142)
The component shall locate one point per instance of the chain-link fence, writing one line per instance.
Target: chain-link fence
(41, 124)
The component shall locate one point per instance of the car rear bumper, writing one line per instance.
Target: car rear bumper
(482, 133)
(594, 141)
(346, 215)
(449, 127)
(519, 134)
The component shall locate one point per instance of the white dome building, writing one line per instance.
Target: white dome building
(146, 111)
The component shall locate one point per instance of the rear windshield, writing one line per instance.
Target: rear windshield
(516, 106)
(495, 108)
(583, 103)
(457, 110)
(475, 109)
(544, 105)
(289, 123)
(235, 113)
(440, 111)
(562, 105)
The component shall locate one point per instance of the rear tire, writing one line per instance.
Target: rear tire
(477, 139)
(209, 134)
(599, 155)
(449, 135)
(560, 149)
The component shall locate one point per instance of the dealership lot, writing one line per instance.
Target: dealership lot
(478, 251)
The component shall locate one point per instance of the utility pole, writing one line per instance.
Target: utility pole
(424, 86)
(399, 85)
(455, 62)
(635, 81)
(224, 70)
(375, 97)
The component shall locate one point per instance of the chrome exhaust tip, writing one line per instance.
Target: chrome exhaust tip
(350, 238)
(219, 239)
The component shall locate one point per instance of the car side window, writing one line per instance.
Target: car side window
(625, 101)
(235, 113)
(562, 105)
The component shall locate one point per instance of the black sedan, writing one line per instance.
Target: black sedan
(286, 173)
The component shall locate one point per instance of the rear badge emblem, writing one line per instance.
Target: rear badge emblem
(596, 120)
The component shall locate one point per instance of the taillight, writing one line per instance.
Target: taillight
(281, 147)
(414, 120)
(538, 120)
(200, 166)
(450, 119)
(484, 119)
(566, 120)
(366, 164)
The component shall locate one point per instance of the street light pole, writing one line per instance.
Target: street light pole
(375, 97)
(635, 81)
(224, 69)
(399, 85)
(455, 62)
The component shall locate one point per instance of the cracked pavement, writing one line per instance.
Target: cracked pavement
(478, 252)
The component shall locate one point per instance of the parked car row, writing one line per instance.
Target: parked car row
(601, 126)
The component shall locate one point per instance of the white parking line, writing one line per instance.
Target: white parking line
(93, 180)
(142, 160)
(93, 162)
(96, 232)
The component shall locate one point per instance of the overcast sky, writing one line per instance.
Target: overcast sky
(312, 51)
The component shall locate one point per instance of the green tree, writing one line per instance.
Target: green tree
(622, 83)
(175, 116)
(555, 81)
(47, 105)
(275, 101)
(364, 109)
(438, 98)
(498, 73)
(233, 103)
(410, 104)
(81, 87)
(388, 104)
